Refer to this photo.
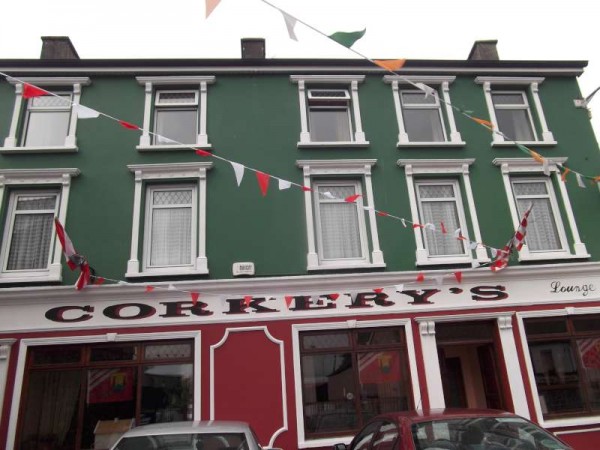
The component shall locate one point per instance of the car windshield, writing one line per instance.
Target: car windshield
(483, 433)
(185, 441)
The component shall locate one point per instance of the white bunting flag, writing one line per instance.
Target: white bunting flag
(284, 184)
(403, 222)
(474, 264)
(439, 279)
(83, 112)
(239, 172)
(328, 195)
(494, 252)
(399, 287)
(580, 182)
(430, 226)
(290, 23)
(473, 245)
(428, 90)
(457, 233)
(172, 288)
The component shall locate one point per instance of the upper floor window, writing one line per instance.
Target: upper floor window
(329, 110)
(516, 110)
(171, 223)
(437, 204)
(422, 120)
(341, 234)
(46, 123)
(175, 111)
(29, 250)
(525, 186)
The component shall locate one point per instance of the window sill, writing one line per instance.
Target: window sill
(448, 261)
(526, 143)
(430, 144)
(29, 277)
(166, 272)
(170, 148)
(354, 144)
(349, 266)
(57, 149)
(551, 256)
(570, 422)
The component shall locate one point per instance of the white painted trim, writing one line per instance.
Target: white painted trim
(5, 349)
(150, 83)
(356, 167)
(278, 342)
(325, 326)
(142, 172)
(348, 81)
(513, 368)
(586, 430)
(24, 344)
(431, 363)
(533, 83)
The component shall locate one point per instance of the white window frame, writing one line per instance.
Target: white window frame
(150, 189)
(441, 83)
(495, 84)
(169, 173)
(460, 167)
(171, 84)
(166, 106)
(517, 107)
(525, 166)
(43, 180)
(13, 143)
(348, 168)
(337, 82)
(459, 209)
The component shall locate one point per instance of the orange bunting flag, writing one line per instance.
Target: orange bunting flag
(128, 125)
(149, 289)
(263, 182)
(563, 176)
(30, 91)
(420, 277)
(195, 296)
(597, 179)
(458, 276)
(210, 6)
(247, 300)
(333, 296)
(352, 198)
(288, 300)
(539, 158)
(306, 189)
(203, 153)
(487, 123)
(443, 228)
(382, 213)
(390, 64)
(378, 290)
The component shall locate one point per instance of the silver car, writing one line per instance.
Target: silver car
(203, 435)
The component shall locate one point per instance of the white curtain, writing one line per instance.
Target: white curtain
(542, 232)
(340, 232)
(171, 235)
(435, 210)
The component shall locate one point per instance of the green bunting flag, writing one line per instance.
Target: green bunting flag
(347, 39)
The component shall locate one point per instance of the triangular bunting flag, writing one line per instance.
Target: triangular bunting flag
(580, 182)
(128, 125)
(347, 39)
(439, 280)
(30, 91)
(210, 6)
(239, 172)
(418, 225)
(563, 176)
(390, 64)
(83, 112)
(290, 24)
(536, 156)
(306, 189)
(288, 300)
(494, 252)
(149, 289)
(458, 276)
(443, 228)
(399, 287)
(247, 300)
(328, 195)
(67, 246)
(284, 184)
(201, 152)
(420, 277)
(352, 198)
(429, 91)
(487, 123)
(334, 296)
(194, 296)
(473, 245)
(171, 288)
(382, 213)
(475, 264)
(378, 290)
(263, 182)
(430, 226)
(403, 222)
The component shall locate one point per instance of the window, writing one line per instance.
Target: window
(508, 101)
(174, 230)
(78, 386)
(29, 249)
(46, 123)
(421, 119)
(350, 376)
(338, 231)
(434, 201)
(526, 186)
(565, 358)
(329, 110)
(176, 112)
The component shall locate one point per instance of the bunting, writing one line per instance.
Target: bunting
(83, 112)
(390, 64)
(263, 182)
(210, 6)
(290, 24)
(30, 91)
(347, 39)
(515, 242)
(239, 171)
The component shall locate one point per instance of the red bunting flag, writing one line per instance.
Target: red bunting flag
(149, 289)
(352, 198)
(128, 125)
(66, 244)
(378, 290)
(288, 300)
(194, 296)
(420, 277)
(306, 189)
(247, 300)
(263, 182)
(203, 152)
(458, 276)
(418, 225)
(443, 228)
(516, 241)
(334, 297)
(30, 91)
(382, 213)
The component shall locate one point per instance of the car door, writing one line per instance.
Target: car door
(386, 436)
(364, 438)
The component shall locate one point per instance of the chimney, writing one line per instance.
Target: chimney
(484, 50)
(58, 47)
(253, 48)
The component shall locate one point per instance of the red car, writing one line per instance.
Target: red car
(452, 429)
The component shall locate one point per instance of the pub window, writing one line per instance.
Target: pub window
(565, 356)
(69, 390)
(350, 376)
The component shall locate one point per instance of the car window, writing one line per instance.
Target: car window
(362, 441)
(385, 437)
(185, 441)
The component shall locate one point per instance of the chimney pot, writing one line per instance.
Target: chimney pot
(58, 47)
(253, 48)
(484, 50)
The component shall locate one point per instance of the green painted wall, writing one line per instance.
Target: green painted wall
(255, 120)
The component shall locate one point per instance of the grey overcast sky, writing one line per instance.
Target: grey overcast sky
(418, 29)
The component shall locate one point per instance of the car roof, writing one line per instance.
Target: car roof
(424, 415)
(205, 426)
